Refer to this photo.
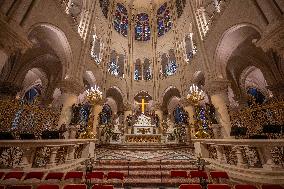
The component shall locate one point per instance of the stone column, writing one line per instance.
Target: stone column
(159, 113)
(68, 99)
(70, 90)
(127, 112)
(190, 110)
(218, 91)
(95, 116)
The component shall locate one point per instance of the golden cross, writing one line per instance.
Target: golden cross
(143, 104)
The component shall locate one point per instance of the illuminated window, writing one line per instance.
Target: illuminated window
(142, 28)
(120, 21)
(164, 22)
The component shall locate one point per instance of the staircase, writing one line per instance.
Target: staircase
(145, 166)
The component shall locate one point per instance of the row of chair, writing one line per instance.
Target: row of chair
(54, 186)
(199, 174)
(19, 175)
(225, 186)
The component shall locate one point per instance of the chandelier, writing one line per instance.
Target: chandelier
(94, 95)
(194, 97)
(195, 94)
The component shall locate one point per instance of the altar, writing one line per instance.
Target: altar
(143, 131)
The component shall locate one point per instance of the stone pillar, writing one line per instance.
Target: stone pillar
(95, 116)
(68, 99)
(127, 112)
(218, 91)
(70, 90)
(190, 110)
(159, 113)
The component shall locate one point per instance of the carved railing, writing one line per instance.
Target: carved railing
(256, 116)
(260, 159)
(45, 154)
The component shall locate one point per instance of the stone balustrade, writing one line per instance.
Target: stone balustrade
(260, 159)
(50, 154)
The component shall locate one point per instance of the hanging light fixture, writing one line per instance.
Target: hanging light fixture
(94, 96)
(195, 94)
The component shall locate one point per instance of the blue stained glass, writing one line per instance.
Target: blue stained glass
(31, 94)
(113, 68)
(142, 28)
(180, 115)
(162, 8)
(121, 20)
(136, 75)
(171, 68)
(105, 115)
(164, 23)
(84, 114)
(257, 95)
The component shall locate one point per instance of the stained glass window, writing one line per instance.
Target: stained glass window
(142, 28)
(105, 115)
(180, 115)
(113, 68)
(138, 70)
(120, 21)
(147, 72)
(95, 49)
(180, 4)
(190, 48)
(164, 21)
(104, 4)
(84, 114)
(171, 68)
(32, 93)
(256, 95)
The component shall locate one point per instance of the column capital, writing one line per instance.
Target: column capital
(273, 38)
(70, 86)
(217, 86)
(12, 39)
